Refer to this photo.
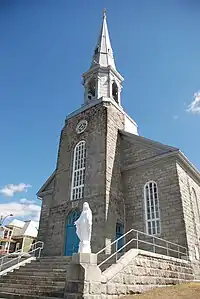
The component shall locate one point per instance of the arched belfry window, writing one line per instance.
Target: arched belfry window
(152, 210)
(78, 174)
(115, 92)
(91, 88)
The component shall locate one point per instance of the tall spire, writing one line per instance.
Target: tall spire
(102, 80)
(103, 54)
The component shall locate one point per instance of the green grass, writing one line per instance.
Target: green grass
(183, 291)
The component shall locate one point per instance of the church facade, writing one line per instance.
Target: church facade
(129, 181)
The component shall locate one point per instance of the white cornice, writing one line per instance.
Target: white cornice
(189, 166)
(96, 102)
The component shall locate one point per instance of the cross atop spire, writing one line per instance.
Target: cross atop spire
(103, 54)
(104, 13)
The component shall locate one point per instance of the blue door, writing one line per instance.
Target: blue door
(119, 233)
(72, 240)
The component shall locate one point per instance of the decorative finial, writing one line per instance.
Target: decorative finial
(104, 13)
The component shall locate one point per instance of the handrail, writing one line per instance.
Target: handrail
(167, 248)
(108, 246)
(20, 250)
(147, 235)
(21, 253)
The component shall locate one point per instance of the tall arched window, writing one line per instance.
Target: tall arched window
(78, 174)
(152, 210)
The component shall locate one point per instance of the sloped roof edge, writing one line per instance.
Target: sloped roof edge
(147, 142)
(48, 181)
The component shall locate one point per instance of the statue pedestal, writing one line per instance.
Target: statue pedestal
(84, 258)
(88, 262)
(82, 275)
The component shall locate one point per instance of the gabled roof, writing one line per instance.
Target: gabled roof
(47, 185)
(30, 229)
(147, 142)
(24, 228)
(16, 223)
(166, 150)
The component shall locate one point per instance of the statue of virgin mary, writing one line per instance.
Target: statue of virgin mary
(84, 229)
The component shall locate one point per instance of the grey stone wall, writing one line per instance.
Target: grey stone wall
(114, 194)
(191, 219)
(103, 189)
(146, 272)
(136, 272)
(136, 152)
(164, 173)
(44, 218)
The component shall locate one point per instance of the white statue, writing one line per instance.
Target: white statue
(84, 229)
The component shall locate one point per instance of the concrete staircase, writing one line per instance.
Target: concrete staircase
(43, 278)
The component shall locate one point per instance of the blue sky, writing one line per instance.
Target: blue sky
(45, 47)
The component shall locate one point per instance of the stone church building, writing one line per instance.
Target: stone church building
(128, 180)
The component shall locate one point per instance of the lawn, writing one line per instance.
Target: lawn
(183, 291)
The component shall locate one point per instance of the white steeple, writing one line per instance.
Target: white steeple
(102, 80)
(103, 54)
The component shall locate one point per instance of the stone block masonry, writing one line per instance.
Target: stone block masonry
(136, 271)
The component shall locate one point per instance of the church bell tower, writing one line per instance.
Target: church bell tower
(102, 79)
(88, 163)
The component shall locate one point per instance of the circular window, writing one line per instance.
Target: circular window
(82, 125)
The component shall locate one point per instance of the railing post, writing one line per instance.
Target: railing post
(39, 252)
(167, 245)
(1, 263)
(154, 247)
(178, 252)
(116, 248)
(186, 252)
(137, 240)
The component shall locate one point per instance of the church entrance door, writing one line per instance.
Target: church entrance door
(119, 233)
(71, 238)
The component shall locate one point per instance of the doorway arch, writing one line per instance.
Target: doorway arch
(71, 238)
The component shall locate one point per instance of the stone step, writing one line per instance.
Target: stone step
(21, 288)
(50, 263)
(38, 273)
(26, 279)
(28, 283)
(45, 266)
(55, 258)
(35, 269)
(44, 291)
(5, 295)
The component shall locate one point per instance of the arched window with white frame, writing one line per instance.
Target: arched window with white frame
(152, 209)
(78, 172)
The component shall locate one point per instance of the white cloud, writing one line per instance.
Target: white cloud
(194, 106)
(25, 211)
(26, 201)
(11, 189)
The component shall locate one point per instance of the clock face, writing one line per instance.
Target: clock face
(82, 125)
